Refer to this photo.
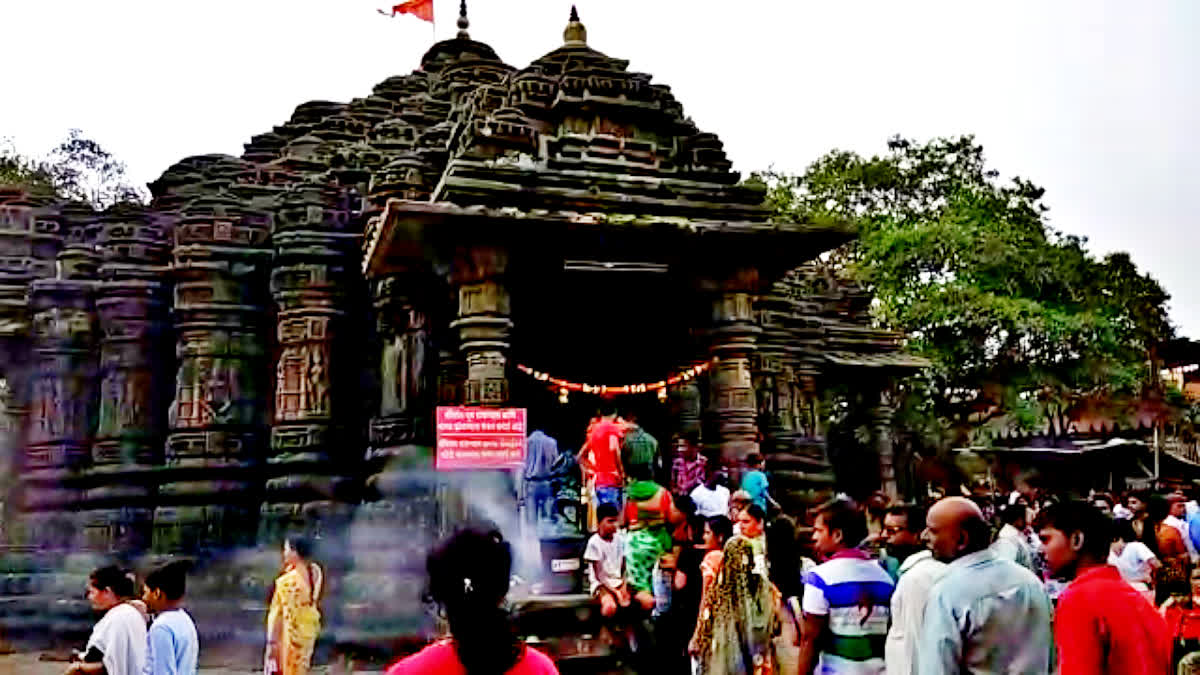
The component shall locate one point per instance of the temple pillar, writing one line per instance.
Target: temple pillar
(209, 496)
(132, 305)
(62, 409)
(732, 344)
(308, 485)
(881, 433)
(484, 325)
(130, 430)
(407, 357)
(689, 407)
(30, 240)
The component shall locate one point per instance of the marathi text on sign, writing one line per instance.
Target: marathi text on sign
(480, 438)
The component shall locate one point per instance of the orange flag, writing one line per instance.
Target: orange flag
(422, 9)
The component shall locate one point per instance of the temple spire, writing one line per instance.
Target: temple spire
(575, 35)
(463, 23)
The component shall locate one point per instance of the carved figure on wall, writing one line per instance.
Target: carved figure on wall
(766, 397)
(416, 346)
(317, 384)
(220, 394)
(302, 357)
(281, 388)
(132, 404)
(51, 423)
(404, 366)
(112, 402)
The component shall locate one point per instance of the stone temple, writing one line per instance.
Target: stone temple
(262, 347)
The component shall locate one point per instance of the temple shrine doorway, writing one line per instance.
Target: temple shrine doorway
(601, 323)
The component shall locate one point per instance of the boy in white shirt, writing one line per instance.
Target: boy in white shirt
(605, 558)
(710, 497)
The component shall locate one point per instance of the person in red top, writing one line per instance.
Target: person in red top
(468, 578)
(601, 457)
(1103, 626)
(1182, 612)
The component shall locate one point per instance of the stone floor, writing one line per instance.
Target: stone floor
(35, 663)
(29, 664)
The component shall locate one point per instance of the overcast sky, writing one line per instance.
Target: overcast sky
(1096, 100)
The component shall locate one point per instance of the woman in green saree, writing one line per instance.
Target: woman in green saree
(736, 629)
(649, 515)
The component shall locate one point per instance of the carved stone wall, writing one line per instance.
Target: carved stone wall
(132, 303)
(210, 491)
(312, 282)
(733, 336)
(484, 325)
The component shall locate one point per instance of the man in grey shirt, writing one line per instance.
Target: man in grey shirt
(987, 614)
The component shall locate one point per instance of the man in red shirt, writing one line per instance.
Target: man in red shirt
(1103, 625)
(601, 457)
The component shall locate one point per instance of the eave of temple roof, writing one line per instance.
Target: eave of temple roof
(883, 360)
(381, 233)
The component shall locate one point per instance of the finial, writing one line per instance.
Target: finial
(463, 24)
(575, 34)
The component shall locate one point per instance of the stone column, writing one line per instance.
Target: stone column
(30, 239)
(315, 266)
(62, 408)
(210, 489)
(135, 382)
(732, 343)
(484, 325)
(689, 408)
(881, 432)
(407, 359)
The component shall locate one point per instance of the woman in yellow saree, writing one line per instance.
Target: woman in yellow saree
(293, 620)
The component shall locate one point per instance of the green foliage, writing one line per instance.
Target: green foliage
(1020, 322)
(78, 169)
(19, 171)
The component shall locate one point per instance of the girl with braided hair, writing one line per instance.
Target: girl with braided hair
(468, 578)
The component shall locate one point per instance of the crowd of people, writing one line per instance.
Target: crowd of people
(1027, 583)
(699, 577)
(151, 632)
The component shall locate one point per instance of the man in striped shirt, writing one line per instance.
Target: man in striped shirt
(847, 598)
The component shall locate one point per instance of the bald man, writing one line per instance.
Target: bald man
(986, 615)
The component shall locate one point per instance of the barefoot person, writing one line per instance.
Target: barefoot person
(605, 558)
(117, 645)
(173, 645)
(294, 621)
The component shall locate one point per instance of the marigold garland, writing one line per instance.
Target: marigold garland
(564, 386)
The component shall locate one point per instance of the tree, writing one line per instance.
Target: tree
(19, 171)
(1020, 322)
(77, 169)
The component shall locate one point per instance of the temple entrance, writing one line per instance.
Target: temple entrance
(608, 326)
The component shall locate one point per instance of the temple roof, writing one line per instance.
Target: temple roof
(460, 48)
(574, 131)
